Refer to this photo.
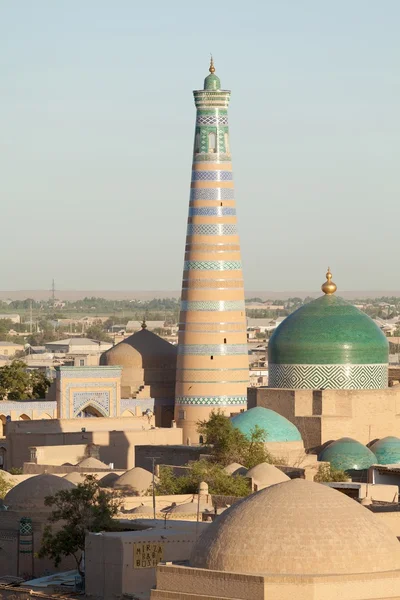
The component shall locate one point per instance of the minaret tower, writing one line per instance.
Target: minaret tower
(213, 367)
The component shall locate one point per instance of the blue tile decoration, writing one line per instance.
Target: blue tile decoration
(99, 400)
(89, 372)
(24, 405)
(212, 229)
(328, 377)
(387, 450)
(212, 349)
(212, 176)
(348, 454)
(212, 265)
(213, 119)
(133, 403)
(90, 386)
(212, 211)
(212, 400)
(212, 194)
(223, 305)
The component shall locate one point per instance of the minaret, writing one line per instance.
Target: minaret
(213, 367)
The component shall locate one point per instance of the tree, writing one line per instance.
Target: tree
(17, 383)
(96, 332)
(219, 482)
(326, 473)
(39, 384)
(85, 508)
(5, 485)
(14, 381)
(228, 444)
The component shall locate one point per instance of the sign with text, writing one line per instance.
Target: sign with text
(146, 556)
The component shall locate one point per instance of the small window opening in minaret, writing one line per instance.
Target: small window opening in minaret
(224, 340)
(226, 136)
(201, 440)
(212, 358)
(212, 142)
(220, 203)
(197, 143)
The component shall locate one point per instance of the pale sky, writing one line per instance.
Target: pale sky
(97, 122)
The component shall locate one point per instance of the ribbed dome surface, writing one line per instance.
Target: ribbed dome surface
(32, 492)
(147, 350)
(387, 450)
(297, 527)
(328, 330)
(277, 428)
(348, 454)
(92, 463)
(75, 477)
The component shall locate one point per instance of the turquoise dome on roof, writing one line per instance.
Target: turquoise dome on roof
(387, 450)
(347, 454)
(278, 429)
(328, 344)
(212, 82)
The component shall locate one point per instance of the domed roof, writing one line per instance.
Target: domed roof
(143, 509)
(277, 428)
(134, 481)
(348, 454)
(212, 82)
(346, 349)
(265, 475)
(297, 528)
(328, 330)
(387, 450)
(235, 469)
(143, 349)
(32, 492)
(188, 508)
(92, 463)
(75, 477)
(109, 480)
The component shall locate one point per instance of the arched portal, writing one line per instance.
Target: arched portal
(24, 417)
(128, 413)
(45, 416)
(89, 411)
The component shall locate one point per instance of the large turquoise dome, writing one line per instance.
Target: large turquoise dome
(277, 428)
(328, 344)
(347, 454)
(387, 450)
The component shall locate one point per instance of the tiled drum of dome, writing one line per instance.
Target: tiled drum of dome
(212, 327)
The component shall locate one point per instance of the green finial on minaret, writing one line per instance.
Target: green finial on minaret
(212, 82)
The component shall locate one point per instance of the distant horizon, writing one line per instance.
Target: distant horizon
(72, 295)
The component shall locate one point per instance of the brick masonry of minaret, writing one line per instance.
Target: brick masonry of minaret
(212, 367)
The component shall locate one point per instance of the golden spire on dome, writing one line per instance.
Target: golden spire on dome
(329, 287)
(212, 68)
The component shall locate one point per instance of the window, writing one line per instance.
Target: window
(226, 136)
(201, 440)
(182, 415)
(212, 358)
(81, 362)
(212, 142)
(197, 143)
(224, 340)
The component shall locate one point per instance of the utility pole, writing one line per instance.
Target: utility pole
(30, 317)
(53, 292)
(153, 459)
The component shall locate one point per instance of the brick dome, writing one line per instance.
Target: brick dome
(297, 528)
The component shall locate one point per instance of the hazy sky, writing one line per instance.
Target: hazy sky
(96, 132)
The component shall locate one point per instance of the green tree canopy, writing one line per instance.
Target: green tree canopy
(219, 482)
(97, 332)
(17, 383)
(85, 508)
(5, 485)
(326, 473)
(227, 444)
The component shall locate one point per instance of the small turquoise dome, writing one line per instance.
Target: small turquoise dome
(212, 82)
(277, 428)
(387, 450)
(347, 454)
